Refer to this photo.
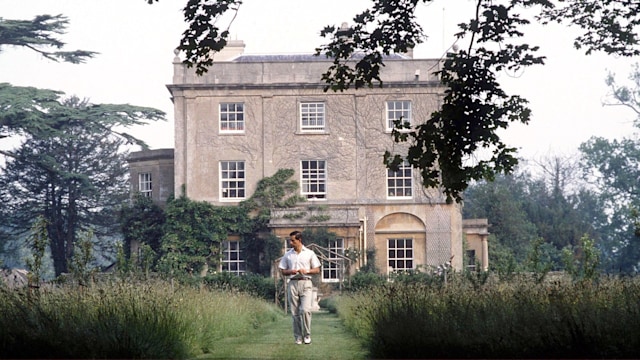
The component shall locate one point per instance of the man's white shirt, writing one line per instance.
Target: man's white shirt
(306, 259)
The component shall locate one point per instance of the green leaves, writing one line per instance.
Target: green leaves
(608, 25)
(445, 147)
(41, 113)
(203, 36)
(474, 107)
(38, 35)
(358, 52)
(193, 233)
(70, 167)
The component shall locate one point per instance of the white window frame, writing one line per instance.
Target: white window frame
(400, 254)
(400, 182)
(232, 259)
(312, 116)
(396, 109)
(233, 180)
(145, 185)
(313, 179)
(231, 117)
(332, 269)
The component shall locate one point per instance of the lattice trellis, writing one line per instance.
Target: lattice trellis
(438, 234)
(438, 222)
(371, 227)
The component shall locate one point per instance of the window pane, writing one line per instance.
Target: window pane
(400, 183)
(400, 254)
(232, 260)
(231, 117)
(397, 110)
(145, 184)
(232, 170)
(312, 116)
(313, 173)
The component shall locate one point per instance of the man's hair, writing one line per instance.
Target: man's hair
(297, 234)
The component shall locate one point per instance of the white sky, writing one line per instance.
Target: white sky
(136, 41)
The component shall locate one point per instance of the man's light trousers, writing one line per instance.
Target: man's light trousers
(300, 293)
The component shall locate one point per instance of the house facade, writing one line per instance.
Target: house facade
(152, 174)
(251, 115)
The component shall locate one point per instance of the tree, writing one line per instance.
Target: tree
(613, 167)
(503, 201)
(609, 25)
(542, 213)
(39, 35)
(42, 113)
(475, 107)
(141, 223)
(75, 177)
(625, 95)
(556, 202)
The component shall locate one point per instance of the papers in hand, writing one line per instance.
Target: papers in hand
(298, 276)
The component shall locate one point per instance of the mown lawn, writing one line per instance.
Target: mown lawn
(275, 341)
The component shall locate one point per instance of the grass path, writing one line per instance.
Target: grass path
(275, 341)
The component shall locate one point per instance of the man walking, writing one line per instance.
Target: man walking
(299, 263)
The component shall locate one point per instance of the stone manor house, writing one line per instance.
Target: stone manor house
(251, 115)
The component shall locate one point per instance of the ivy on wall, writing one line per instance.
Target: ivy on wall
(188, 235)
(194, 232)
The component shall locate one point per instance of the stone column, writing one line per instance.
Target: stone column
(485, 253)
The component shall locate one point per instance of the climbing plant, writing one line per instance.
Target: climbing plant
(193, 231)
(193, 234)
(259, 246)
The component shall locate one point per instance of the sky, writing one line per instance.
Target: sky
(136, 43)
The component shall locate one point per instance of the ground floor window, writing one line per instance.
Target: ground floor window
(232, 259)
(471, 260)
(400, 254)
(332, 267)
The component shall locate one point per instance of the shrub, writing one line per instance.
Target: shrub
(518, 319)
(252, 284)
(363, 280)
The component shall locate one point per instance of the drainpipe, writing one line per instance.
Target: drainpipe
(364, 240)
(360, 235)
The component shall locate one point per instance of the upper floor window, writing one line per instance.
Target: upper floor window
(314, 179)
(232, 260)
(400, 182)
(398, 110)
(332, 267)
(400, 254)
(232, 180)
(231, 117)
(312, 116)
(144, 184)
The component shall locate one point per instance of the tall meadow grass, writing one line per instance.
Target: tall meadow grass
(152, 319)
(519, 319)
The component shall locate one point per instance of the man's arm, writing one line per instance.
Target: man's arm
(312, 271)
(288, 271)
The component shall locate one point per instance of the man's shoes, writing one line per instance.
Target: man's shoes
(298, 341)
(307, 340)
